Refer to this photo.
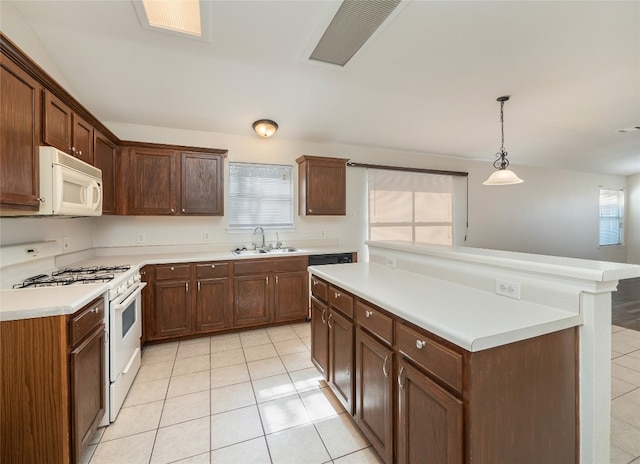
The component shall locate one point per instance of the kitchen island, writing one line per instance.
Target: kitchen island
(448, 298)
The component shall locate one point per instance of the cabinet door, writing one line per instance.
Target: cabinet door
(320, 337)
(341, 358)
(374, 389)
(291, 295)
(57, 123)
(202, 184)
(322, 186)
(153, 182)
(429, 420)
(172, 308)
(87, 390)
(19, 138)
(104, 158)
(251, 300)
(82, 136)
(212, 301)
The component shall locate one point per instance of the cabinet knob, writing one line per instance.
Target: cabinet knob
(368, 313)
(183, 210)
(173, 210)
(337, 295)
(315, 282)
(173, 268)
(420, 344)
(213, 266)
(384, 366)
(73, 149)
(80, 153)
(324, 311)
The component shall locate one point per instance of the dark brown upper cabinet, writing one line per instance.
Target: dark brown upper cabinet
(66, 130)
(104, 158)
(322, 186)
(165, 181)
(20, 108)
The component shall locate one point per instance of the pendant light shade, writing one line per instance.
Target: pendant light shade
(502, 176)
(265, 127)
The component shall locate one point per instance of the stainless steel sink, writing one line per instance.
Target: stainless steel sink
(249, 252)
(273, 251)
(284, 250)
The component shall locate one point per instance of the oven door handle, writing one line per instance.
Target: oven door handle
(128, 366)
(132, 296)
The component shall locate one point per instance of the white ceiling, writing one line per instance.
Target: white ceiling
(427, 83)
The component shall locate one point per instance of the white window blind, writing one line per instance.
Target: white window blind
(410, 206)
(260, 195)
(611, 217)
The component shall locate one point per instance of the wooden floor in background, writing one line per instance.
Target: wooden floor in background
(625, 304)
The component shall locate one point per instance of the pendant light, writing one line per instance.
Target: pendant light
(502, 176)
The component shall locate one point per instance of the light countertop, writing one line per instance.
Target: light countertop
(54, 301)
(470, 318)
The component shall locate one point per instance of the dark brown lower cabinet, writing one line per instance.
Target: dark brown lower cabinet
(172, 308)
(291, 295)
(429, 420)
(341, 358)
(87, 390)
(374, 393)
(212, 301)
(251, 300)
(320, 337)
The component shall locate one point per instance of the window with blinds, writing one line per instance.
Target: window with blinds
(410, 206)
(260, 195)
(611, 217)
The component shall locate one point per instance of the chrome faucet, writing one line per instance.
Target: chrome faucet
(262, 231)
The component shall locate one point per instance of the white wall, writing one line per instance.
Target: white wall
(633, 219)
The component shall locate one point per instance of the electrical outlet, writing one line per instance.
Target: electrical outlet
(303, 233)
(322, 232)
(206, 236)
(65, 242)
(141, 237)
(390, 262)
(508, 288)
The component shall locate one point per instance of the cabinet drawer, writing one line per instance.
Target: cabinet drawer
(341, 300)
(266, 265)
(374, 321)
(173, 271)
(431, 355)
(319, 289)
(86, 320)
(205, 270)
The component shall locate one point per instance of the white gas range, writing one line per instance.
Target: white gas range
(123, 321)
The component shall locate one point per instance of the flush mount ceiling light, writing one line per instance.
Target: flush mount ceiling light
(265, 127)
(179, 17)
(502, 176)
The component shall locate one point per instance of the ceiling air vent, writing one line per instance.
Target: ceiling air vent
(630, 129)
(353, 24)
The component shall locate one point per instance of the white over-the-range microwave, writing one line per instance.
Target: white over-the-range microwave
(68, 186)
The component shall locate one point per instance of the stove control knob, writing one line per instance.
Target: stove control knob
(122, 288)
(130, 281)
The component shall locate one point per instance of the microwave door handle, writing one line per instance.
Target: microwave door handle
(97, 196)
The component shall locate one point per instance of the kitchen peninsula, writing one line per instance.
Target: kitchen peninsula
(508, 352)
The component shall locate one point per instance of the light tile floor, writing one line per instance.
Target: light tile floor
(255, 397)
(625, 396)
(252, 397)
